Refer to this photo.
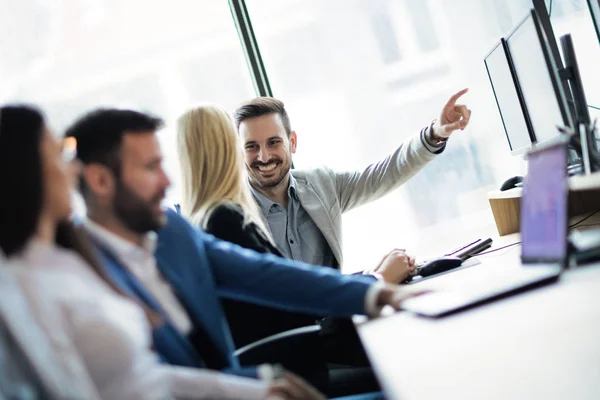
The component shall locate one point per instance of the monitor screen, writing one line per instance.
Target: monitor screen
(537, 76)
(505, 91)
(544, 205)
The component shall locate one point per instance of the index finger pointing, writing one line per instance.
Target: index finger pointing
(457, 96)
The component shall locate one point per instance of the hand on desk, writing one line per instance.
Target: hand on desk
(394, 295)
(292, 387)
(395, 267)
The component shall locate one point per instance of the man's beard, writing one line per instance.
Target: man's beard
(136, 213)
(255, 175)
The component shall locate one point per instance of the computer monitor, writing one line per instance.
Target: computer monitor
(581, 113)
(544, 204)
(537, 75)
(594, 6)
(509, 99)
(572, 86)
(572, 75)
(550, 39)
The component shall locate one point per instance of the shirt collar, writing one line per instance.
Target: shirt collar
(265, 203)
(292, 188)
(122, 247)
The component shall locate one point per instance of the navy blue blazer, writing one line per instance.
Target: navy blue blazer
(201, 268)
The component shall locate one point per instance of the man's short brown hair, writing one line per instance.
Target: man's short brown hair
(260, 106)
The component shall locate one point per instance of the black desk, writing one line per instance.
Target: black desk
(541, 344)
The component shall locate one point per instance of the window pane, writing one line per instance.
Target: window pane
(354, 96)
(70, 56)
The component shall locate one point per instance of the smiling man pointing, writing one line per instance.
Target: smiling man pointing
(303, 208)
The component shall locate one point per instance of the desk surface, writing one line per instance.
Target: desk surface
(541, 344)
(585, 182)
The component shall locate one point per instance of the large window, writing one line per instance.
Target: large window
(360, 76)
(74, 55)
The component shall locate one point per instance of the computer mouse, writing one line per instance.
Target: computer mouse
(439, 265)
(511, 183)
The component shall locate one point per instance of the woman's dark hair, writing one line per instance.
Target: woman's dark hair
(21, 133)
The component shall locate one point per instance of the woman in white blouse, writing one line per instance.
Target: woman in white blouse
(87, 320)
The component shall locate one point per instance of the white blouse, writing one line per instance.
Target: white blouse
(112, 335)
(54, 359)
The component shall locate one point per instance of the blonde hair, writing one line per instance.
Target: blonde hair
(212, 166)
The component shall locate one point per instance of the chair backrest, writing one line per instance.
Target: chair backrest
(298, 350)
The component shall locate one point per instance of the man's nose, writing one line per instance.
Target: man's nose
(263, 155)
(165, 181)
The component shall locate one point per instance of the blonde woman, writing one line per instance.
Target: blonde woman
(217, 199)
(215, 195)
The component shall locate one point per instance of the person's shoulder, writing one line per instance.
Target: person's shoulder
(177, 226)
(311, 173)
(317, 175)
(174, 219)
(227, 209)
(226, 212)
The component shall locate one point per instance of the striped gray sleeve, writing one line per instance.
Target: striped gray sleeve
(433, 149)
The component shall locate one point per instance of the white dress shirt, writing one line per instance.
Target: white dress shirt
(141, 263)
(53, 358)
(111, 334)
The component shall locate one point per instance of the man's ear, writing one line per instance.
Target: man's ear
(99, 179)
(293, 141)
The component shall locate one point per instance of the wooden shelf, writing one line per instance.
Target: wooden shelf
(515, 193)
(584, 196)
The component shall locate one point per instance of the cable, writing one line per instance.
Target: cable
(584, 219)
(588, 225)
(498, 249)
(593, 107)
(550, 10)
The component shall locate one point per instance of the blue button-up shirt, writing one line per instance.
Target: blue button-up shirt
(295, 233)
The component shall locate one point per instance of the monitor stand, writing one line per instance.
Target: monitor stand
(574, 164)
(582, 159)
(575, 169)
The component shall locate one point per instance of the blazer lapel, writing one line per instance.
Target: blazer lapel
(127, 282)
(312, 203)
